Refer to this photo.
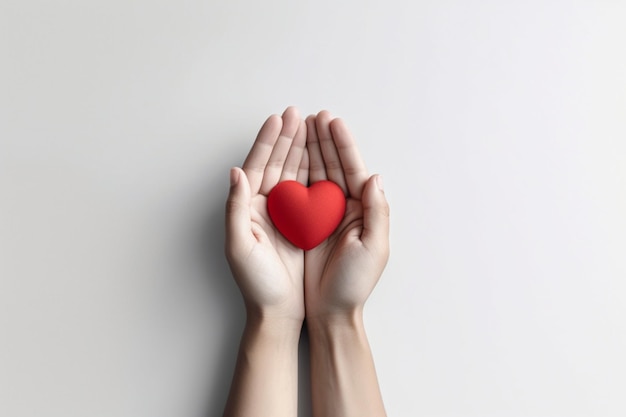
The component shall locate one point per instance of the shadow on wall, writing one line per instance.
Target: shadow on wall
(224, 291)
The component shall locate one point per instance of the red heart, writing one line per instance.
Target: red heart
(306, 216)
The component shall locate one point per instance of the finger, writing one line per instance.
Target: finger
(303, 171)
(332, 162)
(354, 169)
(259, 155)
(294, 158)
(274, 167)
(317, 169)
(238, 221)
(375, 235)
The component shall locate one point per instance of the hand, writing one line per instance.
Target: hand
(343, 270)
(268, 269)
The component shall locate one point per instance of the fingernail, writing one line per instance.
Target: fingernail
(234, 176)
(379, 183)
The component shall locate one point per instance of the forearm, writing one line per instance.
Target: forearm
(265, 383)
(343, 376)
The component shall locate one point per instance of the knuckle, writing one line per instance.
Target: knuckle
(333, 164)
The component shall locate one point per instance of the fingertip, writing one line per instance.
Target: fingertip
(374, 192)
(379, 183)
(340, 129)
(336, 121)
(291, 111)
(272, 124)
(323, 120)
(273, 117)
(322, 124)
(234, 176)
(324, 113)
(238, 177)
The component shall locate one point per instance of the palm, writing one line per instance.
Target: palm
(334, 269)
(277, 262)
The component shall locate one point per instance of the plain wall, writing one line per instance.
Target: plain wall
(500, 131)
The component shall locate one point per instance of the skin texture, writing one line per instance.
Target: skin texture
(328, 285)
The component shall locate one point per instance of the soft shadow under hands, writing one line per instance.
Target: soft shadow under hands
(224, 293)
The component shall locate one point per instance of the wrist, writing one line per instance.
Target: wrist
(339, 322)
(286, 314)
(277, 327)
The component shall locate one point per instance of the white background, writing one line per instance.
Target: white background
(499, 128)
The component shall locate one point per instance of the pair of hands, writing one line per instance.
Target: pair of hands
(278, 280)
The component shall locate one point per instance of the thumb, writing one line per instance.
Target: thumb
(238, 224)
(375, 234)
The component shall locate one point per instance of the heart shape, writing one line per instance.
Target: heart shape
(306, 216)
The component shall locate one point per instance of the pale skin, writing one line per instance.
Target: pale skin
(283, 285)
